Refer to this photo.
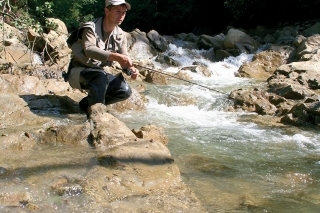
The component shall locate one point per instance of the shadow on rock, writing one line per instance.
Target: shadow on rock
(51, 104)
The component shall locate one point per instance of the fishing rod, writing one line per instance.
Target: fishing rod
(153, 70)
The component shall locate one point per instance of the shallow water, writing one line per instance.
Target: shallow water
(238, 166)
(35, 171)
(232, 163)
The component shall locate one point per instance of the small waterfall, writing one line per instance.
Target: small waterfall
(37, 59)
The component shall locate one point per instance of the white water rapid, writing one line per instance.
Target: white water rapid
(232, 163)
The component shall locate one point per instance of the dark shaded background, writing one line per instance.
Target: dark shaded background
(170, 17)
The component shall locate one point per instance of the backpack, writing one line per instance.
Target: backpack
(76, 34)
(73, 37)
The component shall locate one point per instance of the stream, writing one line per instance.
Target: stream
(224, 156)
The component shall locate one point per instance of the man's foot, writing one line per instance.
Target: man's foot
(83, 104)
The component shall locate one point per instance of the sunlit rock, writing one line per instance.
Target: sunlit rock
(152, 133)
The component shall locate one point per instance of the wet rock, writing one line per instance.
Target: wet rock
(61, 181)
(159, 42)
(208, 165)
(70, 190)
(141, 151)
(156, 78)
(303, 114)
(108, 161)
(199, 68)
(106, 130)
(67, 134)
(262, 66)
(248, 202)
(206, 42)
(167, 59)
(286, 35)
(140, 171)
(152, 133)
(138, 42)
(14, 199)
(236, 39)
(3, 170)
(222, 54)
(64, 187)
(295, 92)
(190, 37)
(17, 141)
(253, 101)
(314, 29)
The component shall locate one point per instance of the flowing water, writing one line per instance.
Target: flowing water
(230, 162)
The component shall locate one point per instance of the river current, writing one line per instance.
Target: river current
(232, 163)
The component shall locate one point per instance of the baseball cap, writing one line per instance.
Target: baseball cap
(117, 2)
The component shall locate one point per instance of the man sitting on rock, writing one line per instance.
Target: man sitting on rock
(99, 44)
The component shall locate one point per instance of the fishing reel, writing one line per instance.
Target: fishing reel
(127, 71)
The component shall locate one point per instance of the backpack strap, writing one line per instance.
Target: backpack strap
(76, 34)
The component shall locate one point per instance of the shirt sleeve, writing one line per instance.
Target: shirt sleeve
(124, 46)
(90, 48)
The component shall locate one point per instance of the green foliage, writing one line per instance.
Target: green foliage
(44, 10)
(26, 22)
(166, 16)
(71, 12)
(22, 20)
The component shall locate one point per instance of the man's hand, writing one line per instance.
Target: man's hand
(134, 72)
(123, 60)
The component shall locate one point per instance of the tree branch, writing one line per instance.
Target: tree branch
(6, 14)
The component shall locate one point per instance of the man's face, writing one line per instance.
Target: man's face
(116, 14)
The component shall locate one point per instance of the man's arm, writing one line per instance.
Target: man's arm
(92, 51)
(90, 48)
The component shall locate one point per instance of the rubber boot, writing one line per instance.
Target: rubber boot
(96, 82)
(83, 104)
(118, 89)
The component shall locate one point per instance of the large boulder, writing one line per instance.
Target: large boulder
(253, 101)
(207, 42)
(16, 53)
(286, 35)
(262, 66)
(308, 46)
(236, 39)
(159, 42)
(107, 130)
(139, 45)
(314, 29)
(52, 44)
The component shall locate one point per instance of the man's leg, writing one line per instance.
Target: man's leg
(117, 90)
(96, 82)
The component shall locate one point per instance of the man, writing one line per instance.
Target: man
(99, 44)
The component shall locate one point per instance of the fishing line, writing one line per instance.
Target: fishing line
(153, 70)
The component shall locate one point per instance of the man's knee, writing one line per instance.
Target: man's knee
(123, 93)
(127, 92)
